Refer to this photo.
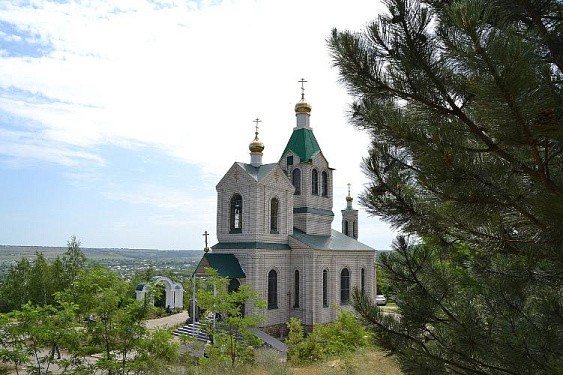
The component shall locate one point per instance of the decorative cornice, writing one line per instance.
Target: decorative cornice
(250, 245)
(310, 210)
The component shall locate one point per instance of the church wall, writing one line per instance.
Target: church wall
(271, 189)
(313, 224)
(312, 263)
(256, 264)
(267, 260)
(283, 163)
(300, 261)
(317, 224)
(256, 208)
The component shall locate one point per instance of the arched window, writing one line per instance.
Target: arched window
(236, 214)
(296, 292)
(272, 290)
(315, 182)
(345, 287)
(354, 230)
(346, 228)
(274, 208)
(296, 179)
(324, 183)
(363, 281)
(325, 288)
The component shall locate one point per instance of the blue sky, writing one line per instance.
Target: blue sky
(118, 118)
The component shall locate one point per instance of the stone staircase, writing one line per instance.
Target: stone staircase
(193, 330)
(196, 330)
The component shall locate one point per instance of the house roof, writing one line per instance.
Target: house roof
(226, 265)
(336, 241)
(303, 143)
(258, 173)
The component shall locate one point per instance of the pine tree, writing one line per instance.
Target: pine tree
(462, 100)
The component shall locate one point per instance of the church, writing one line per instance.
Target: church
(274, 232)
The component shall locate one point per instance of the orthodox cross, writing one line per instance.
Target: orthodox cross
(348, 189)
(206, 248)
(257, 121)
(302, 81)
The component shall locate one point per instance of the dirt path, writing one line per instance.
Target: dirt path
(168, 321)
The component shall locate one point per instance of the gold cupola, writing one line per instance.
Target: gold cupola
(256, 145)
(302, 106)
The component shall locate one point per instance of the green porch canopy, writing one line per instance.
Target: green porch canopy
(226, 265)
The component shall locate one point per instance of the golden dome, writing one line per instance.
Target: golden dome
(302, 106)
(349, 199)
(256, 145)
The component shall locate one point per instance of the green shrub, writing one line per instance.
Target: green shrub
(341, 337)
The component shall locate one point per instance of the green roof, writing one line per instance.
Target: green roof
(303, 143)
(226, 265)
(336, 241)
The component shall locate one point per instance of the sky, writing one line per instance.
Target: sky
(118, 118)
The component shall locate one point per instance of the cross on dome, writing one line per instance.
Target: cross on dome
(257, 121)
(256, 146)
(349, 197)
(302, 107)
(302, 81)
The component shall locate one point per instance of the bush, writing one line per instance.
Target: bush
(339, 338)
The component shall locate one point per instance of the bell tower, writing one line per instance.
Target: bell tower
(308, 170)
(350, 218)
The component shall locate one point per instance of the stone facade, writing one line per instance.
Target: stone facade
(276, 220)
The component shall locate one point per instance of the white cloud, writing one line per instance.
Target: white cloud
(185, 77)
(24, 148)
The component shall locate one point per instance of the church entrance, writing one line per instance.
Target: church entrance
(233, 287)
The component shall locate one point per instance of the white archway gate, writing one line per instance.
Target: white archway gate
(174, 291)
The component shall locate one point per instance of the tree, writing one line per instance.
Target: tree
(74, 259)
(231, 337)
(462, 100)
(14, 291)
(41, 282)
(34, 334)
(12, 344)
(114, 325)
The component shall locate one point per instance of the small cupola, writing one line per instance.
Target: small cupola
(256, 147)
(303, 109)
(349, 200)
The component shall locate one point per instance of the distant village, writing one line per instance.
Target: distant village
(125, 262)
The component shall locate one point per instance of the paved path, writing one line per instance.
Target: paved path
(168, 321)
(272, 341)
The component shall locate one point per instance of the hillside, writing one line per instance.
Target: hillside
(12, 253)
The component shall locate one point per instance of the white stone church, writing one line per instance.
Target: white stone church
(274, 233)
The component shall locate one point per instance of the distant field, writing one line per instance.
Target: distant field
(14, 253)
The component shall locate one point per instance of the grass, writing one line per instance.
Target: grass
(365, 361)
(270, 362)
